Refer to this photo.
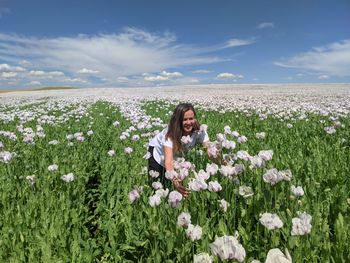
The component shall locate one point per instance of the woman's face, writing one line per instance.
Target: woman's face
(188, 122)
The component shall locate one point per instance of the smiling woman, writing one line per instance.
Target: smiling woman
(182, 134)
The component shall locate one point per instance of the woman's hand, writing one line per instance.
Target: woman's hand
(180, 188)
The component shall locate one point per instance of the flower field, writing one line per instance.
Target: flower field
(75, 187)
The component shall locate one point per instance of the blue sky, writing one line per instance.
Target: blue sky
(85, 43)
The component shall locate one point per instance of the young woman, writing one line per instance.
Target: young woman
(166, 144)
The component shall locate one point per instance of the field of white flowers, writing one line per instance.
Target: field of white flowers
(74, 183)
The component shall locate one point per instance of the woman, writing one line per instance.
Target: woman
(168, 143)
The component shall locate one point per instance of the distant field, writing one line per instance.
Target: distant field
(54, 88)
(45, 88)
(3, 91)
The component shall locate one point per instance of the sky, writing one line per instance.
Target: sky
(115, 43)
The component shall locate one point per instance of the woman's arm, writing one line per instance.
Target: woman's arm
(169, 166)
(168, 159)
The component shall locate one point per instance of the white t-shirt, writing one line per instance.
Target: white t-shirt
(159, 141)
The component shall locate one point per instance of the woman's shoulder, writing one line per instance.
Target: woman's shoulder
(165, 131)
(162, 135)
(162, 132)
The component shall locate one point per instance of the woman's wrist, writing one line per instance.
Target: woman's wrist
(175, 179)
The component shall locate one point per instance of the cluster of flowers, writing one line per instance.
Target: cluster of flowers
(62, 110)
(174, 197)
(193, 232)
(66, 177)
(336, 125)
(226, 248)
(11, 135)
(140, 122)
(276, 102)
(29, 134)
(258, 161)
(301, 224)
(52, 168)
(199, 181)
(6, 156)
(273, 176)
(78, 136)
(160, 193)
(274, 255)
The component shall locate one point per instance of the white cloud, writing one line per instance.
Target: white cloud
(8, 75)
(24, 63)
(34, 83)
(193, 80)
(75, 80)
(323, 77)
(37, 73)
(332, 59)
(156, 78)
(4, 67)
(129, 53)
(171, 74)
(123, 79)
(43, 74)
(234, 42)
(163, 76)
(227, 75)
(201, 71)
(265, 25)
(87, 71)
(56, 73)
(118, 59)
(163, 80)
(8, 68)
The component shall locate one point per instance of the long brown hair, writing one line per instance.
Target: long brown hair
(175, 129)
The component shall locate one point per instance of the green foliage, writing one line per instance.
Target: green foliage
(92, 220)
